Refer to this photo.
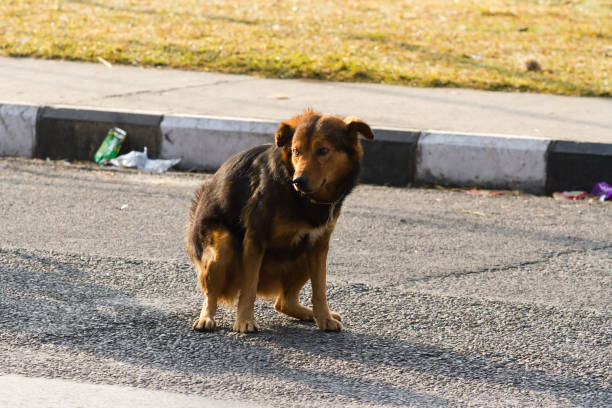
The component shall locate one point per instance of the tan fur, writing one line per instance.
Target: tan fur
(323, 172)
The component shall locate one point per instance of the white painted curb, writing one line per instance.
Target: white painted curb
(17, 130)
(206, 142)
(508, 162)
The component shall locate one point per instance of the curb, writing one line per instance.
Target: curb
(76, 134)
(17, 130)
(397, 157)
(489, 161)
(577, 166)
(206, 142)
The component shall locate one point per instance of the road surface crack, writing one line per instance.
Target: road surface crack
(503, 268)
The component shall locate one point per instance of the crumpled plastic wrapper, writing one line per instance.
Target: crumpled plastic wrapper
(142, 162)
(603, 190)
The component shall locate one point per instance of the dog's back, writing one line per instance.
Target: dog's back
(221, 200)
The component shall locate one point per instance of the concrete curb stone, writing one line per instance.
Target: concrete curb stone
(398, 157)
(17, 129)
(578, 166)
(389, 159)
(490, 161)
(205, 143)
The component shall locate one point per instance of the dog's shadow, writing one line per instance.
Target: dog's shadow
(75, 313)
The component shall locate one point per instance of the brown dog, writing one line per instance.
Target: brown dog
(261, 225)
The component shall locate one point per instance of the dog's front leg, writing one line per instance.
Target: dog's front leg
(251, 264)
(325, 319)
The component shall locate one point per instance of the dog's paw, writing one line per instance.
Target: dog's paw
(335, 316)
(204, 324)
(246, 326)
(329, 323)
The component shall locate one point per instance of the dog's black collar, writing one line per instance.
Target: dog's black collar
(320, 202)
(331, 204)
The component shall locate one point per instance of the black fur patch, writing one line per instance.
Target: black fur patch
(252, 188)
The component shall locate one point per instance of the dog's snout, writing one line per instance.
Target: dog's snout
(300, 182)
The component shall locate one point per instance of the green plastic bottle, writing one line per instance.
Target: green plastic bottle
(109, 149)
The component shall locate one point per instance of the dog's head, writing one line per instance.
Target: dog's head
(321, 151)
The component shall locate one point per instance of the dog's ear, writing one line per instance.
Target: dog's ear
(284, 134)
(357, 126)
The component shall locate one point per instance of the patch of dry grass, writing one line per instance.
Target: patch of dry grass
(475, 44)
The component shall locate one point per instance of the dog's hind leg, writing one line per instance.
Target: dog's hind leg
(208, 279)
(206, 321)
(288, 302)
(213, 274)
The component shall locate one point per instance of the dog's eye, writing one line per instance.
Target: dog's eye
(296, 152)
(323, 151)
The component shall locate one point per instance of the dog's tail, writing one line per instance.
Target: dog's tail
(194, 235)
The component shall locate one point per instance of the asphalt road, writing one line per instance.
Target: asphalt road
(448, 298)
